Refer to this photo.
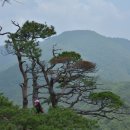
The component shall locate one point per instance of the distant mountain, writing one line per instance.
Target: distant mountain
(112, 56)
(6, 60)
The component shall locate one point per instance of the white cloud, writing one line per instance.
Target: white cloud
(79, 14)
(103, 16)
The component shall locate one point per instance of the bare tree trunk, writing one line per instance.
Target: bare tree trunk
(35, 83)
(53, 96)
(24, 96)
(50, 84)
(24, 85)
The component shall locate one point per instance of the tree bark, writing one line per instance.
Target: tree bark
(50, 83)
(24, 95)
(53, 96)
(24, 85)
(35, 83)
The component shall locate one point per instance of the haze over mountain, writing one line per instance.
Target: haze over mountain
(6, 60)
(112, 56)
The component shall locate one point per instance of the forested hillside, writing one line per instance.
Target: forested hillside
(110, 72)
(111, 56)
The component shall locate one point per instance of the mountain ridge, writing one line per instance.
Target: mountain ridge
(111, 55)
(95, 48)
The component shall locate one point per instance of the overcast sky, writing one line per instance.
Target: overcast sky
(107, 17)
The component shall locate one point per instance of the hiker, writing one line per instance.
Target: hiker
(38, 106)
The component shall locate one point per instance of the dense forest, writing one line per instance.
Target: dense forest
(65, 83)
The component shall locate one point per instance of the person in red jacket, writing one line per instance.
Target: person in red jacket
(38, 106)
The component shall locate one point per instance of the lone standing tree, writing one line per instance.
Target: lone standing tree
(70, 82)
(23, 43)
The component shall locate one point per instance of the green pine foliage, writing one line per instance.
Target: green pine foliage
(109, 99)
(14, 118)
(66, 56)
